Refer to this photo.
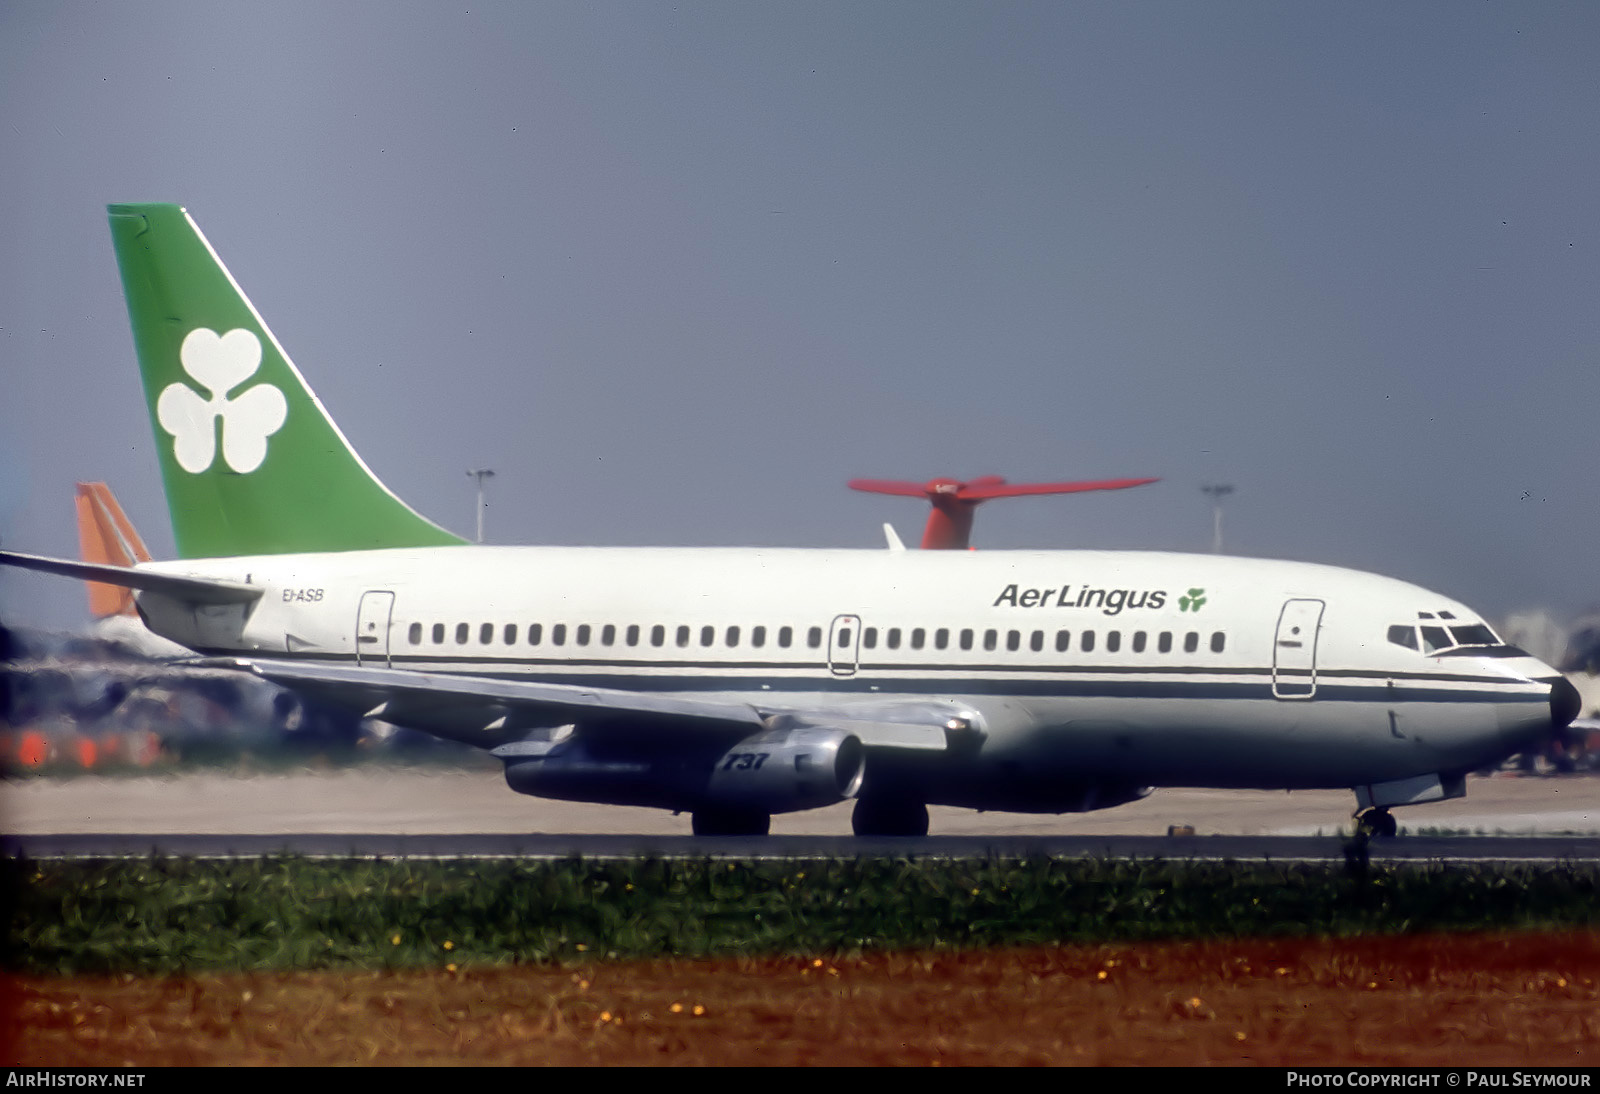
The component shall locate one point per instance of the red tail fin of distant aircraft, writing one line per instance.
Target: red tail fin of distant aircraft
(950, 524)
(106, 536)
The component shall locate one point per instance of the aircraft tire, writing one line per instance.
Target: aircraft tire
(1377, 822)
(730, 822)
(889, 817)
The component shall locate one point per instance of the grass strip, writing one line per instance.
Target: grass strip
(176, 915)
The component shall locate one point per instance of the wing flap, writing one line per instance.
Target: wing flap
(489, 712)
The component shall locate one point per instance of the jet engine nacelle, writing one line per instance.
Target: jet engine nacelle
(783, 770)
(775, 771)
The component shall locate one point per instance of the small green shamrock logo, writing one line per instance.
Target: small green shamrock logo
(1192, 602)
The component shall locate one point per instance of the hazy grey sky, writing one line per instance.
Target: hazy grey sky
(677, 272)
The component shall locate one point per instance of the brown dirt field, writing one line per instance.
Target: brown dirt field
(1507, 1000)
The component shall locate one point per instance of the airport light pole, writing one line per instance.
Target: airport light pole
(480, 473)
(1216, 492)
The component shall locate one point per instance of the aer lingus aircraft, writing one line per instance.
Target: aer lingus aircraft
(737, 683)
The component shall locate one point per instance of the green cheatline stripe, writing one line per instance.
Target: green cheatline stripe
(936, 671)
(1255, 686)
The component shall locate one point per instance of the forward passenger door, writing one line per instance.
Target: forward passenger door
(1294, 652)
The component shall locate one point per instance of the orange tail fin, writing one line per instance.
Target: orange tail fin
(106, 536)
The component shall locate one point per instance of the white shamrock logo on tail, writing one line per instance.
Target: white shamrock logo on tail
(220, 363)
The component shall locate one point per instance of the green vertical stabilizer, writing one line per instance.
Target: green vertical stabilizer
(251, 461)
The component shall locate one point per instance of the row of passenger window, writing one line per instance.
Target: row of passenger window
(916, 638)
(583, 634)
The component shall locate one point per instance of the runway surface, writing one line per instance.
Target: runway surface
(392, 811)
(1525, 849)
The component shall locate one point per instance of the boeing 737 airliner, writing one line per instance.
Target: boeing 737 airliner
(733, 683)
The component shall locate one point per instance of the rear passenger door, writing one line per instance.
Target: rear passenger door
(372, 628)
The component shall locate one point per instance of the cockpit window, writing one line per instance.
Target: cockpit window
(1435, 638)
(1474, 635)
(1403, 636)
(1468, 639)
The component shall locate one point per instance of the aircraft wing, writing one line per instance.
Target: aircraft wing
(185, 587)
(487, 711)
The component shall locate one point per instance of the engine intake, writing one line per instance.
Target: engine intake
(783, 770)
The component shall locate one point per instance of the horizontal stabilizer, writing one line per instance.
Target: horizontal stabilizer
(185, 587)
(950, 524)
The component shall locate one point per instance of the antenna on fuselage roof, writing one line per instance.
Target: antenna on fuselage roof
(950, 524)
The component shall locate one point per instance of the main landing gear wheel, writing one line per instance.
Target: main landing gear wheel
(889, 817)
(730, 822)
(1376, 821)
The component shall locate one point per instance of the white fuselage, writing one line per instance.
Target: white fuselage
(1088, 668)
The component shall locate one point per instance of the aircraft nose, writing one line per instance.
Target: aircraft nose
(1564, 703)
